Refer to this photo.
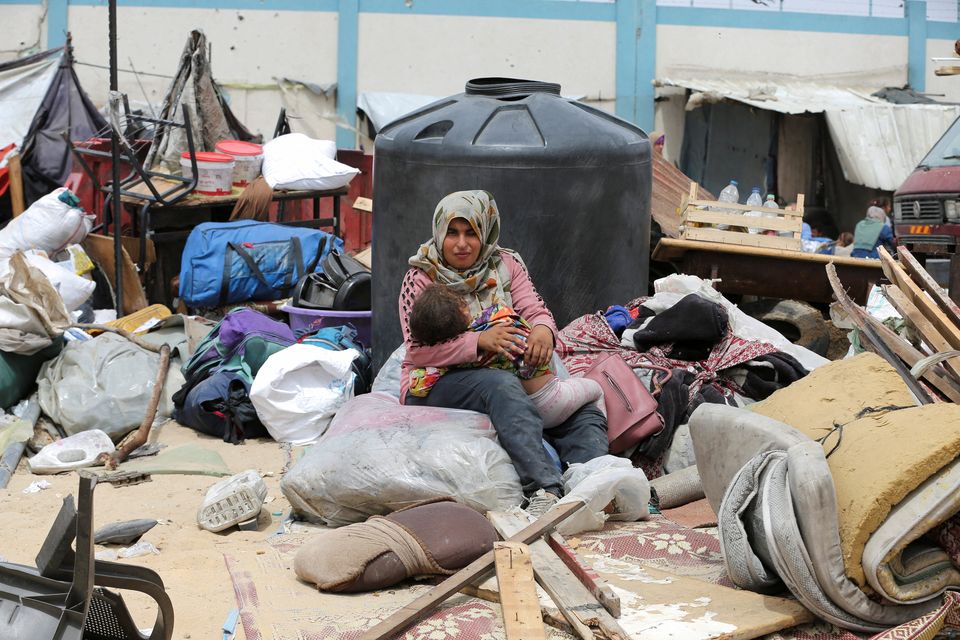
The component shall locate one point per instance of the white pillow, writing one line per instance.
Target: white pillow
(295, 161)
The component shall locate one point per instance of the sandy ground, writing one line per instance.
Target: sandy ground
(191, 560)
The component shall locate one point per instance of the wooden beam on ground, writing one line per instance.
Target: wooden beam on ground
(474, 571)
(861, 319)
(926, 282)
(924, 303)
(17, 202)
(519, 604)
(487, 590)
(578, 605)
(596, 585)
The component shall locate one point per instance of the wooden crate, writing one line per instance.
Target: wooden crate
(700, 220)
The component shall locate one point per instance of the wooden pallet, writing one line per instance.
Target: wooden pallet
(702, 219)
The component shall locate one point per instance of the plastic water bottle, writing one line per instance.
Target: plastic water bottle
(771, 203)
(755, 200)
(729, 194)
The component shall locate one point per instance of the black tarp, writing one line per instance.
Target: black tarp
(46, 157)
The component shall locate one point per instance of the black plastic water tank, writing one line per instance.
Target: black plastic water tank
(572, 184)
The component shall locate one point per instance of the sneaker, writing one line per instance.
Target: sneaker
(232, 501)
(540, 502)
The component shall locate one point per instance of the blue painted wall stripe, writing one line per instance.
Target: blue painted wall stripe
(943, 30)
(916, 11)
(780, 20)
(348, 30)
(646, 64)
(545, 9)
(57, 12)
(625, 77)
(226, 5)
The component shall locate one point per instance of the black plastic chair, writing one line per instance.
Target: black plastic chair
(65, 597)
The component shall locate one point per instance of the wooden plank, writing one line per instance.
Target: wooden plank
(573, 599)
(665, 605)
(674, 249)
(861, 319)
(519, 605)
(716, 204)
(928, 333)
(474, 571)
(736, 220)
(742, 239)
(17, 202)
(947, 71)
(596, 585)
(487, 590)
(926, 282)
(935, 376)
(924, 303)
(363, 204)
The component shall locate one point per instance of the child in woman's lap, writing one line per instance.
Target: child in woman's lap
(439, 314)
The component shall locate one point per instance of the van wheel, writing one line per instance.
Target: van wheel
(799, 323)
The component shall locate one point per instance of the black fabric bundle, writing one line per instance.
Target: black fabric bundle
(694, 325)
(769, 373)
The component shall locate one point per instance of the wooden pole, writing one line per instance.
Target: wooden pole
(16, 184)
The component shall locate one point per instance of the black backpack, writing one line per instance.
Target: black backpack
(343, 285)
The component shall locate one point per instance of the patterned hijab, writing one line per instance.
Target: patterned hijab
(488, 280)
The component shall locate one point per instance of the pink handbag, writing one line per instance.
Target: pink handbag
(631, 409)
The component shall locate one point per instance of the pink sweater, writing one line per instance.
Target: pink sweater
(463, 349)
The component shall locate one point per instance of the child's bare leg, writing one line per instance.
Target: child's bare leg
(533, 385)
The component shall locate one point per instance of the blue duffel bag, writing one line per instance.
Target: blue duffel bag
(226, 262)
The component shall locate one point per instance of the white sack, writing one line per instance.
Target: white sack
(598, 482)
(295, 161)
(299, 389)
(379, 456)
(48, 224)
(73, 289)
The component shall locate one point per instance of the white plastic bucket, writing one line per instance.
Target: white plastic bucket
(214, 172)
(248, 157)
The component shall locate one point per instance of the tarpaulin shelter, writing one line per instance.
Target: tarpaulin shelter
(40, 98)
(194, 88)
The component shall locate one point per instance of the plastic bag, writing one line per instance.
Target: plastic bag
(299, 389)
(598, 482)
(296, 161)
(73, 289)
(379, 456)
(50, 224)
(388, 378)
(74, 452)
(104, 383)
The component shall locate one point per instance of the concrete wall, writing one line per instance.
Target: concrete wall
(686, 50)
(435, 55)
(23, 30)
(251, 50)
(949, 86)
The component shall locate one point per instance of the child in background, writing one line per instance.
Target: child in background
(440, 313)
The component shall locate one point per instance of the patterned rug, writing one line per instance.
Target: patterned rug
(274, 605)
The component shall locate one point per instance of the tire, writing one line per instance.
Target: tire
(797, 321)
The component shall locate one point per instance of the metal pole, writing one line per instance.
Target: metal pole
(115, 168)
(14, 451)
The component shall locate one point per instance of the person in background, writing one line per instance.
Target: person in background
(844, 246)
(870, 234)
(884, 204)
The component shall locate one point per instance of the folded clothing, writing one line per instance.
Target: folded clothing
(693, 325)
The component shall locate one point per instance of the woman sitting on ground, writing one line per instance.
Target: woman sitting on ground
(870, 233)
(463, 255)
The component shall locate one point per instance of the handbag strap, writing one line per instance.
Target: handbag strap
(657, 384)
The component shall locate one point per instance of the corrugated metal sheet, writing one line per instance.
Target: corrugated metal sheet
(669, 186)
(784, 96)
(879, 143)
(879, 146)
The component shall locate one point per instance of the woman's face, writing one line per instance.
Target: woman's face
(461, 245)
